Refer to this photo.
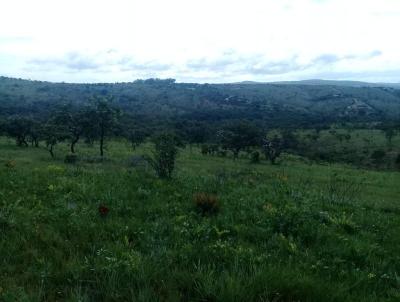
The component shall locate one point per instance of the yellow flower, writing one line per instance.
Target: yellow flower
(268, 207)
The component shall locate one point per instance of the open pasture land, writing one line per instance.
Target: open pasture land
(219, 230)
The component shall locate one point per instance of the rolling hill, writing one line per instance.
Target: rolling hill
(299, 104)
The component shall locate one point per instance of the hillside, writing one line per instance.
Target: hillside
(274, 104)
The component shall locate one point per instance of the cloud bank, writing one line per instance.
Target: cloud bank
(206, 41)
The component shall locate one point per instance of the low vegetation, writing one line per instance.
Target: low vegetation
(218, 230)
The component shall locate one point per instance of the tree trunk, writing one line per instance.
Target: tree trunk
(73, 143)
(101, 143)
(51, 151)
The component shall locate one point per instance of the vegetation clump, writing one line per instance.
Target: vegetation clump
(206, 203)
(164, 155)
(71, 159)
(255, 157)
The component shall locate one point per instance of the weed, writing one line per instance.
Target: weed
(206, 203)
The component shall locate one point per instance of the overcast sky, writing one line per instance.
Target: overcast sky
(200, 40)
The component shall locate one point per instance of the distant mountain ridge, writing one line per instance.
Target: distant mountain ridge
(328, 83)
(296, 104)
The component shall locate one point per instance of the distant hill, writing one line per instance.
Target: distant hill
(340, 83)
(328, 83)
(301, 103)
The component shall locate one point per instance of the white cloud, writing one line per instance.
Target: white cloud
(208, 40)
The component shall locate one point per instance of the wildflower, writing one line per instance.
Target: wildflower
(268, 207)
(103, 210)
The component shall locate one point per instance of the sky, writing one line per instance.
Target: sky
(204, 41)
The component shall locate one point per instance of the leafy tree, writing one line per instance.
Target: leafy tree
(164, 155)
(75, 122)
(389, 134)
(255, 157)
(35, 133)
(272, 149)
(52, 133)
(19, 129)
(136, 137)
(397, 162)
(288, 140)
(103, 116)
(238, 136)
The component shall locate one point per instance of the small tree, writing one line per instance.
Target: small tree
(52, 135)
(19, 128)
(35, 133)
(272, 149)
(164, 155)
(74, 122)
(255, 157)
(397, 162)
(238, 136)
(103, 118)
(135, 137)
(389, 134)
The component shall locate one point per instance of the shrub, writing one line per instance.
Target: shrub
(164, 155)
(206, 203)
(255, 157)
(204, 149)
(222, 153)
(71, 159)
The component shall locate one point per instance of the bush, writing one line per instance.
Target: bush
(222, 153)
(255, 157)
(204, 149)
(206, 203)
(71, 159)
(164, 155)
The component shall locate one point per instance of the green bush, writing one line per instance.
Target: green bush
(255, 157)
(71, 159)
(164, 155)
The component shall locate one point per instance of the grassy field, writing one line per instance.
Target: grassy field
(296, 231)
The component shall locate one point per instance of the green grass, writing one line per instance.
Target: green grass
(283, 233)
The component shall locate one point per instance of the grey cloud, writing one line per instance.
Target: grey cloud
(146, 66)
(326, 59)
(330, 59)
(99, 62)
(256, 64)
(72, 61)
